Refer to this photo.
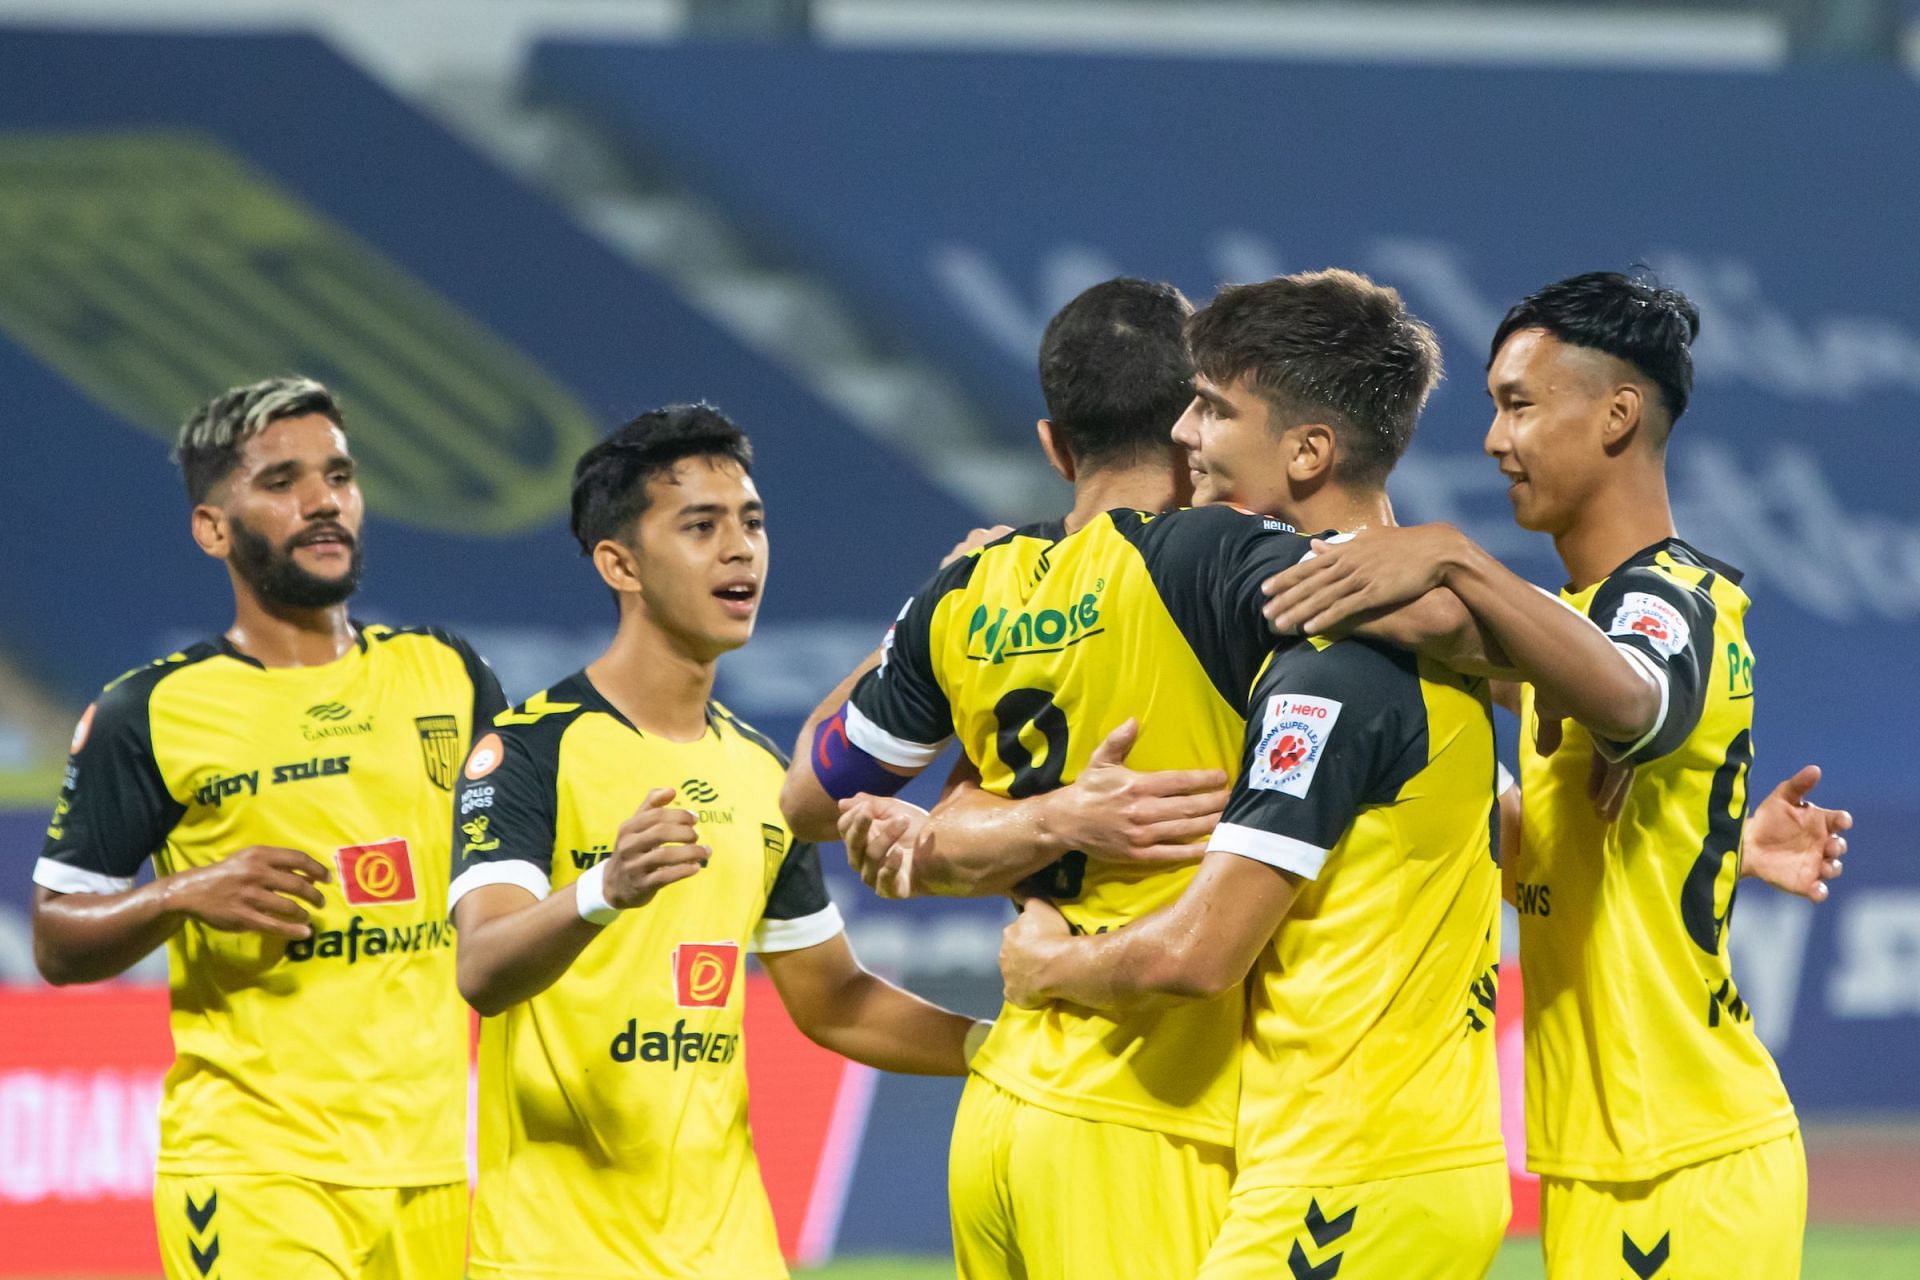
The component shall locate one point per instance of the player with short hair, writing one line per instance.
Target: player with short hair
(290, 779)
(613, 1103)
(1655, 1117)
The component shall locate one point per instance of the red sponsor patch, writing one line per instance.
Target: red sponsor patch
(81, 730)
(485, 757)
(703, 973)
(376, 874)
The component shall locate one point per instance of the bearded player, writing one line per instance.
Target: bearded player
(290, 780)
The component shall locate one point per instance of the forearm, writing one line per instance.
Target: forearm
(1154, 958)
(1563, 655)
(810, 811)
(89, 937)
(510, 956)
(1439, 625)
(983, 844)
(874, 1022)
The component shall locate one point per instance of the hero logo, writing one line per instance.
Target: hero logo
(1654, 620)
(703, 973)
(376, 874)
(1293, 737)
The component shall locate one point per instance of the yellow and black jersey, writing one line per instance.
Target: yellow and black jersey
(1031, 651)
(613, 1105)
(1641, 1054)
(1368, 773)
(341, 1057)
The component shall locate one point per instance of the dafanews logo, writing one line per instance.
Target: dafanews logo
(680, 1046)
(1293, 737)
(703, 973)
(994, 635)
(376, 874)
(360, 940)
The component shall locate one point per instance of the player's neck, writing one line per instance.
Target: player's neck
(654, 682)
(1345, 510)
(1615, 522)
(277, 636)
(1146, 486)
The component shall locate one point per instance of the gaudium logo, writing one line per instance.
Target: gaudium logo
(454, 427)
(375, 874)
(703, 973)
(698, 791)
(333, 720)
(330, 711)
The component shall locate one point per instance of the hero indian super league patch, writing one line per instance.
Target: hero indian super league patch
(1293, 737)
(1646, 615)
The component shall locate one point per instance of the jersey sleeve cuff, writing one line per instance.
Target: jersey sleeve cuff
(885, 747)
(798, 935)
(1503, 779)
(64, 877)
(1657, 676)
(1284, 852)
(511, 871)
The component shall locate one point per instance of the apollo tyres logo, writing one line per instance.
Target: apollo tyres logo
(376, 874)
(703, 973)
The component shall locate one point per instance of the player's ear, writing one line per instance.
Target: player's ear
(1309, 452)
(619, 567)
(209, 526)
(1625, 418)
(1055, 448)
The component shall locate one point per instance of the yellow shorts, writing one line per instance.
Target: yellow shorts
(1037, 1195)
(1426, 1226)
(243, 1226)
(1740, 1215)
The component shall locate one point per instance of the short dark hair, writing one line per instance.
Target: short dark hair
(1633, 319)
(610, 480)
(1114, 369)
(210, 441)
(1325, 346)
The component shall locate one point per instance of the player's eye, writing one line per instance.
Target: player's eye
(700, 526)
(756, 523)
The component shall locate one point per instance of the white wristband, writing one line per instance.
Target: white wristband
(590, 896)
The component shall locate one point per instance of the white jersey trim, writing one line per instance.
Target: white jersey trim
(1275, 850)
(1504, 781)
(511, 871)
(884, 747)
(798, 935)
(1656, 675)
(62, 877)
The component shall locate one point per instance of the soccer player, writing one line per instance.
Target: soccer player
(290, 778)
(613, 1102)
(1656, 1119)
(1036, 646)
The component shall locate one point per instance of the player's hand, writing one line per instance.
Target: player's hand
(1118, 814)
(1608, 782)
(882, 834)
(974, 541)
(1026, 946)
(256, 890)
(1792, 845)
(1546, 724)
(652, 849)
(1374, 569)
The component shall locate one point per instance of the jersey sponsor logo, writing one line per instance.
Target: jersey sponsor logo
(1653, 619)
(479, 838)
(317, 767)
(81, 730)
(333, 720)
(586, 859)
(376, 874)
(486, 757)
(703, 973)
(680, 1046)
(699, 791)
(439, 748)
(220, 788)
(1533, 899)
(360, 939)
(472, 798)
(1293, 737)
(994, 635)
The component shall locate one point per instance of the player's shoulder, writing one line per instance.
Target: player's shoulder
(758, 745)
(535, 726)
(1196, 531)
(1356, 667)
(420, 639)
(129, 695)
(1672, 561)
